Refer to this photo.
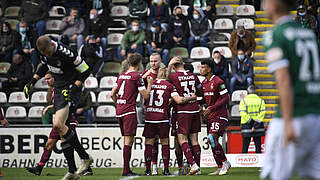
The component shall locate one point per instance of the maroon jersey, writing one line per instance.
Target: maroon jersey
(157, 108)
(185, 84)
(213, 91)
(129, 84)
(154, 76)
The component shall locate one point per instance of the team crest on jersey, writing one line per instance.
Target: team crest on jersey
(211, 86)
(222, 86)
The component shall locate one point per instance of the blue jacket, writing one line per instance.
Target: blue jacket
(242, 70)
(160, 14)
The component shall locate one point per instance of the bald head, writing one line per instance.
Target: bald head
(45, 45)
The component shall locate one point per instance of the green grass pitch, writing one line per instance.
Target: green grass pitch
(114, 174)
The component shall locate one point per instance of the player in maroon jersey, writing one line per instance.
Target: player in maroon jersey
(187, 115)
(157, 117)
(216, 97)
(124, 95)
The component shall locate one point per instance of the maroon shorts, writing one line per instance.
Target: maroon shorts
(216, 126)
(188, 123)
(151, 130)
(55, 135)
(128, 124)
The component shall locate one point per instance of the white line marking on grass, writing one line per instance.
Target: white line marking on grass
(129, 178)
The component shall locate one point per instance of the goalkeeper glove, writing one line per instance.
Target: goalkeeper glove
(28, 87)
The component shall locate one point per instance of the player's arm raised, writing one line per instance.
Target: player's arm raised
(146, 92)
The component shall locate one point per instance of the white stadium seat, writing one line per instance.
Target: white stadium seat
(93, 97)
(225, 51)
(246, 22)
(39, 97)
(35, 112)
(3, 97)
(53, 25)
(114, 38)
(57, 11)
(119, 11)
(221, 38)
(224, 10)
(235, 111)
(196, 67)
(119, 22)
(238, 95)
(90, 83)
(16, 112)
(106, 111)
(104, 97)
(41, 84)
(246, 10)
(108, 82)
(184, 9)
(17, 97)
(223, 24)
(200, 53)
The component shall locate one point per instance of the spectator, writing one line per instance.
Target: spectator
(311, 5)
(159, 11)
(4, 5)
(242, 39)
(96, 26)
(73, 27)
(199, 29)
(132, 41)
(221, 67)
(35, 13)
(175, 3)
(9, 42)
(178, 29)
(28, 42)
(125, 65)
(48, 111)
(85, 105)
(242, 71)
(156, 39)
(208, 7)
(102, 7)
(19, 74)
(81, 5)
(252, 110)
(93, 54)
(138, 10)
(305, 19)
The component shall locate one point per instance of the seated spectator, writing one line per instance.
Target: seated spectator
(92, 53)
(85, 106)
(9, 42)
(28, 42)
(125, 65)
(208, 7)
(132, 41)
(138, 10)
(19, 74)
(174, 3)
(242, 71)
(305, 19)
(159, 11)
(311, 5)
(199, 30)
(97, 27)
(72, 27)
(81, 5)
(102, 6)
(221, 67)
(178, 29)
(242, 39)
(35, 13)
(48, 111)
(156, 39)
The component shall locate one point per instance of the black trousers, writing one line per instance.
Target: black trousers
(246, 143)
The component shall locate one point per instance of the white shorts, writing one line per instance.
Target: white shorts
(304, 156)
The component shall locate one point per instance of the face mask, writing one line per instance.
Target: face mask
(302, 14)
(5, 30)
(180, 16)
(240, 57)
(153, 29)
(217, 61)
(23, 30)
(91, 16)
(195, 16)
(135, 28)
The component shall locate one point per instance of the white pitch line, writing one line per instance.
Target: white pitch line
(129, 178)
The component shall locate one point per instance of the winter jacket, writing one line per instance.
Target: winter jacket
(204, 4)
(10, 40)
(307, 21)
(178, 27)
(76, 26)
(138, 9)
(158, 37)
(159, 13)
(242, 70)
(130, 38)
(85, 100)
(33, 12)
(200, 27)
(221, 69)
(22, 71)
(249, 44)
(97, 28)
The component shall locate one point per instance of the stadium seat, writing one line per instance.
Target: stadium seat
(199, 53)
(246, 22)
(55, 36)
(108, 82)
(39, 97)
(114, 38)
(246, 10)
(93, 97)
(235, 111)
(57, 11)
(119, 11)
(53, 25)
(196, 67)
(16, 112)
(224, 10)
(201, 78)
(4, 67)
(41, 84)
(104, 97)
(106, 111)
(223, 24)
(179, 51)
(220, 38)
(225, 51)
(3, 98)
(91, 82)
(184, 9)
(12, 11)
(111, 68)
(210, 24)
(35, 112)
(238, 95)
(118, 25)
(17, 97)
(13, 23)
